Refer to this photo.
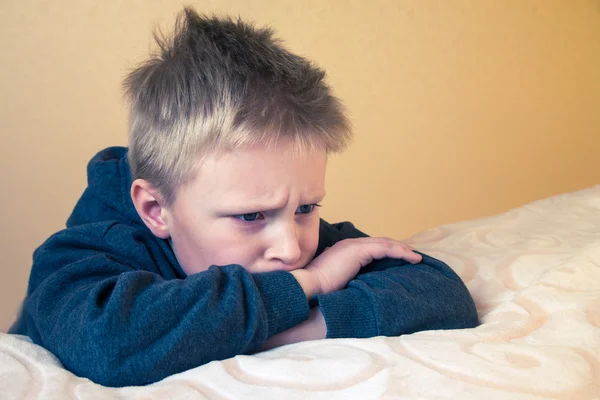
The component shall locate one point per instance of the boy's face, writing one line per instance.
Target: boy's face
(254, 207)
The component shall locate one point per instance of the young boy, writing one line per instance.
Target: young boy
(202, 239)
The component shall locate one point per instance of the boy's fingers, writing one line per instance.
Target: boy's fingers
(376, 248)
(412, 257)
(382, 248)
(402, 251)
(406, 254)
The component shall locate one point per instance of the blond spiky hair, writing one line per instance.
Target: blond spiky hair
(219, 84)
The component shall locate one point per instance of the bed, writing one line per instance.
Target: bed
(534, 273)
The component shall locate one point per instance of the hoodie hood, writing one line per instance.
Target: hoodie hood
(106, 197)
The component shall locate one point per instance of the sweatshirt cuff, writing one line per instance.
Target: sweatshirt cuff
(285, 302)
(348, 314)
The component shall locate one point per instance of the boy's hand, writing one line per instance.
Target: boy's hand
(313, 328)
(340, 263)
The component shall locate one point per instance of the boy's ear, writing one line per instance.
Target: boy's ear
(150, 206)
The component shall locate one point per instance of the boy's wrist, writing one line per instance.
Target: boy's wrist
(314, 328)
(307, 282)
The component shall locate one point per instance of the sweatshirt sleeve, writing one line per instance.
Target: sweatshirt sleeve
(391, 297)
(120, 325)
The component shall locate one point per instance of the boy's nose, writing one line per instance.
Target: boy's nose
(285, 247)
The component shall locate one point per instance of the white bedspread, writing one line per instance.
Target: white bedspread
(534, 273)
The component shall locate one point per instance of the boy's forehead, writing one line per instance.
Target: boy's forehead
(261, 171)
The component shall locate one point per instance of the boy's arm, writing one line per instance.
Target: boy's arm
(397, 298)
(391, 297)
(331, 271)
(388, 297)
(117, 325)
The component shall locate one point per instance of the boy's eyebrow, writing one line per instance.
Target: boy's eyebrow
(243, 207)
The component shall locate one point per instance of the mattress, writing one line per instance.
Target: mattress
(534, 273)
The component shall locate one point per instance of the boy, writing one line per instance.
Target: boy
(202, 240)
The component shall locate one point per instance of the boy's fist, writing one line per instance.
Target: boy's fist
(340, 263)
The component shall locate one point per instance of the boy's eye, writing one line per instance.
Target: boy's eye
(248, 217)
(306, 208)
(251, 217)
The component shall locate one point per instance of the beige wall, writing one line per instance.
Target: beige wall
(462, 108)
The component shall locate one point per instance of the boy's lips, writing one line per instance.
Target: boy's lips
(279, 267)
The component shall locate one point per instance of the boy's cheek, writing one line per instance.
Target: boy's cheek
(312, 250)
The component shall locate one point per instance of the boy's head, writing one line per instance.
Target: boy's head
(224, 122)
